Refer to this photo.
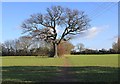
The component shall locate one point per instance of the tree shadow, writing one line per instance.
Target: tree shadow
(94, 74)
(37, 74)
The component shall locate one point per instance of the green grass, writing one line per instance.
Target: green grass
(75, 60)
(110, 60)
(37, 74)
(94, 74)
(30, 61)
(83, 68)
(29, 73)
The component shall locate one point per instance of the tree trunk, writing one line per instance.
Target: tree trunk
(55, 49)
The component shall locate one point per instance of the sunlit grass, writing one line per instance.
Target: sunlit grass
(30, 61)
(110, 60)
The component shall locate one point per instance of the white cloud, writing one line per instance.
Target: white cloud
(92, 32)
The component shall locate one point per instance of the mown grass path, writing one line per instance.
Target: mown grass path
(65, 75)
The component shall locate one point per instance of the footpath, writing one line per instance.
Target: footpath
(65, 74)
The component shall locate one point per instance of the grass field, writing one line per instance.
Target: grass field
(110, 60)
(83, 68)
(30, 61)
(74, 60)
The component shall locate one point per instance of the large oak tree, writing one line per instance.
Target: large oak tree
(44, 26)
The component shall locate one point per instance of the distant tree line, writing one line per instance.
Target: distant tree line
(91, 51)
(25, 46)
(81, 50)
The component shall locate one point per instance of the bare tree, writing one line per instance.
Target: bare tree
(67, 46)
(8, 45)
(24, 42)
(80, 47)
(116, 45)
(43, 26)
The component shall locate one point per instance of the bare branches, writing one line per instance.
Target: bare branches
(43, 26)
(76, 21)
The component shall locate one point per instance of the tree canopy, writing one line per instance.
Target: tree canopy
(43, 26)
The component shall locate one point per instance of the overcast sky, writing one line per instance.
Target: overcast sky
(104, 20)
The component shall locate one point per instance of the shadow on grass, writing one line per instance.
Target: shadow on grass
(37, 74)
